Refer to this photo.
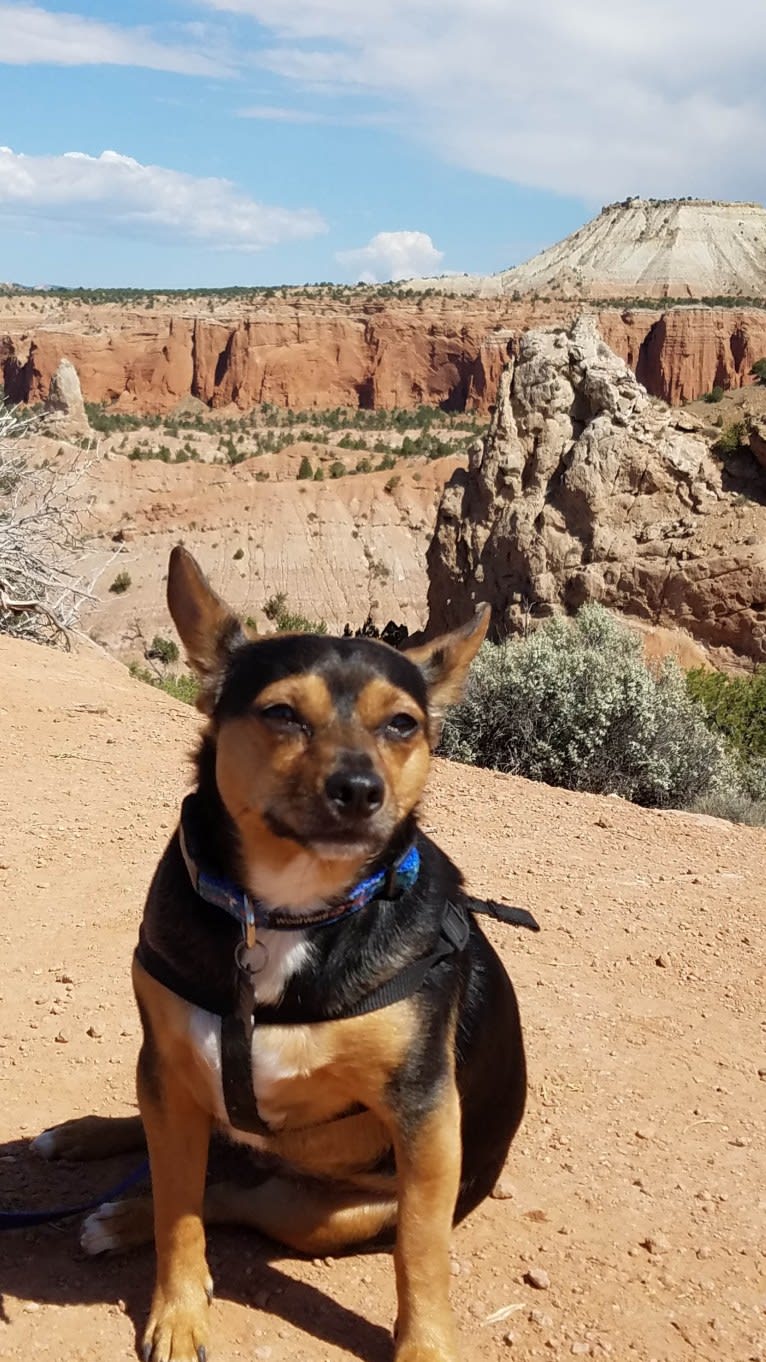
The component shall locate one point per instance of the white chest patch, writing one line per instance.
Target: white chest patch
(275, 1057)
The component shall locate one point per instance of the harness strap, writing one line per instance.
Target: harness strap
(237, 1062)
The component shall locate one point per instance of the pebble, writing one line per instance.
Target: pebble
(537, 1277)
(663, 961)
(263, 1354)
(503, 1190)
(581, 1349)
(31, 1307)
(64, 979)
(94, 1032)
(540, 1318)
(656, 1243)
(509, 1339)
(61, 1039)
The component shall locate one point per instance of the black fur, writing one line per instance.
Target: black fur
(196, 941)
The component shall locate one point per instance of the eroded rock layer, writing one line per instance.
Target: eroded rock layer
(584, 489)
(307, 351)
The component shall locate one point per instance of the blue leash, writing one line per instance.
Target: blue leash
(21, 1220)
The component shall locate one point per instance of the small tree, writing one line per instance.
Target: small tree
(305, 472)
(758, 370)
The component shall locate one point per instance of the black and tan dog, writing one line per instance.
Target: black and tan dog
(311, 980)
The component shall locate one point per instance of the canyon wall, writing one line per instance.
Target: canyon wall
(310, 351)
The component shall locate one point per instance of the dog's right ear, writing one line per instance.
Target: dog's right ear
(209, 630)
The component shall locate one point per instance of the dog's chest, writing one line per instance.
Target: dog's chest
(284, 1059)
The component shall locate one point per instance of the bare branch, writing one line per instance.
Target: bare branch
(41, 590)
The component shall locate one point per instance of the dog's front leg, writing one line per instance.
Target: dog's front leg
(178, 1135)
(428, 1158)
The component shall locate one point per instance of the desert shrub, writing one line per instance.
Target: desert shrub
(715, 395)
(121, 583)
(305, 471)
(286, 620)
(162, 650)
(337, 469)
(238, 553)
(735, 706)
(576, 705)
(758, 370)
(732, 438)
(181, 687)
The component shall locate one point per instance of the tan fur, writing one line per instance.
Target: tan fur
(323, 1196)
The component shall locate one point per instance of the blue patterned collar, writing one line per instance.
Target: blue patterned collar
(252, 913)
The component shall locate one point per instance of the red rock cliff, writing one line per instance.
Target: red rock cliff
(313, 352)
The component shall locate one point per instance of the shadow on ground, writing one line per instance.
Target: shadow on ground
(46, 1265)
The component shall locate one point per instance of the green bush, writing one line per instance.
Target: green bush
(163, 650)
(715, 395)
(735, 706)
(731, 439)
(758, 370)
(576, 705)
(289, 621)
(182, 687)
(305, 471)
(121, 583)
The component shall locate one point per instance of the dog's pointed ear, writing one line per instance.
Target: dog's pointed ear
(209, 630)
(445, 663)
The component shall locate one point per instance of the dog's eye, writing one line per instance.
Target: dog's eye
(282, 717)
(401, 726)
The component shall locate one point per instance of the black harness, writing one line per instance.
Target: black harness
(241, 1012)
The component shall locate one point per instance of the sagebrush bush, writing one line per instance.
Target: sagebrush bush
(576, 705)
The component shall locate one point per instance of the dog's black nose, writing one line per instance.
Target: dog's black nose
(355, 794)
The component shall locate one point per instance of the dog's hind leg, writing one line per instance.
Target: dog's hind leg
(91, 1137)
(311, 1219)
(314, 1220)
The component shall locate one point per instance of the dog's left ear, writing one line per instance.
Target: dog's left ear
(445, 663)
(209, 629)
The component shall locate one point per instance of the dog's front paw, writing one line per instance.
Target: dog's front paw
(178, 1324)
(413, 1351)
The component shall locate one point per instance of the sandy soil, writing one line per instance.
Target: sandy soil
(637, 1182)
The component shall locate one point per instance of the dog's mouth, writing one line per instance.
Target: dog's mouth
(341, 843)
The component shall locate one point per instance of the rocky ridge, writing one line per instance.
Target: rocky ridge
(303, 350)
(641, 248)
(584, 489)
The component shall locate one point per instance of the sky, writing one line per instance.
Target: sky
(204, 143)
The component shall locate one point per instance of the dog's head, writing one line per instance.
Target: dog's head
(322, 745)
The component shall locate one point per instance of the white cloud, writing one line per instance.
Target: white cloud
(392, 255)
(595, 98)
(272, 113)
(32, 35)
(115, 194)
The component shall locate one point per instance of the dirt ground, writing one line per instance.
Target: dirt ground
(637, 1184)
